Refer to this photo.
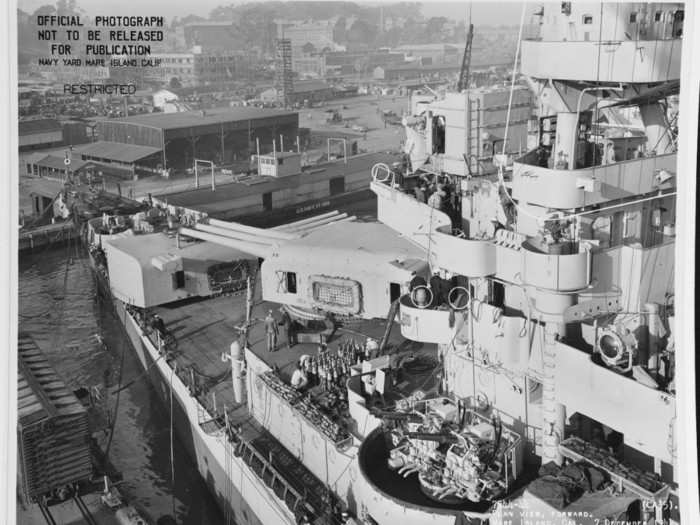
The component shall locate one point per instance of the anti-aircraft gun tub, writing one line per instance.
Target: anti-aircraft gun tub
(458, 454)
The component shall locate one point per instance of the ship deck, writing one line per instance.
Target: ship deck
(201, 330)
(204, 329)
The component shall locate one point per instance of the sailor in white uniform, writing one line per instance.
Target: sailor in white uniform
(299, 378)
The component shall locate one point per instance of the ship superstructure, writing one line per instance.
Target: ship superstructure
(532, 277)
(569, 255)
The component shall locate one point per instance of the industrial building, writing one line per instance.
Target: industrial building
(312, 65)
(40, 133)
(197, 67)
(53, 166)
(49, 133)
(318, 33)
(210, 35)
(344, 63)
(412, 71)
(221, 135)
(433, 53)
(97, 159)
(302, 90)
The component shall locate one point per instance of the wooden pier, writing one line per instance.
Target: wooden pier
(42, 236)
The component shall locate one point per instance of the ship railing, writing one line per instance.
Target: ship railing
(645, 484)
(211, 425)
(273, 478)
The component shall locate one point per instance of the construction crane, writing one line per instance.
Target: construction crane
(463, 82)
(466, 61)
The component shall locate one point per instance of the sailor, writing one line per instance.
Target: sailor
(371, 349)
(562, 163)
(271, 332)
(436, 287)
(598, 437)
(435, 200)
(288, 325)
(299, 379)
(159, 324)
(419, 192)
(609, 154)
(416, 280)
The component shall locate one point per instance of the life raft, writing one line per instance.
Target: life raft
(335, 294)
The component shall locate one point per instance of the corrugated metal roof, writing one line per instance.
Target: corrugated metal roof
(429, 47)
(44, 125)
(419, 67)
(305, 86)
(186, 119)
(53, 161)
(117, 151)
(43, 187)
(34, 158)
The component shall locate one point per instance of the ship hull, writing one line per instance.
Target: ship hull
(303, 210)
(239, 493)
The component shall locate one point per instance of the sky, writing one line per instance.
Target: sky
(490, 12)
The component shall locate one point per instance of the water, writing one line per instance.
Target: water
(59, 307)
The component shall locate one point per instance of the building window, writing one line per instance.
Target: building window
(587, 19)
(633, 18)
(566, 8)
(657, 16)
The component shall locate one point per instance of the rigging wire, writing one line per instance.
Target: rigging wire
(552, 216)
(139, 376)
(118, 392)
(172, 452)
(600, 52)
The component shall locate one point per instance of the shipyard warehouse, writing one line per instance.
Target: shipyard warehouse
(222, 135)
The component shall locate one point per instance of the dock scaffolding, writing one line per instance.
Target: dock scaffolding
(283, 70)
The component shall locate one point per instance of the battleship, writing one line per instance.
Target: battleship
(498, 347)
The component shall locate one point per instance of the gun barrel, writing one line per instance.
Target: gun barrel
(398, 416)
(427, 436)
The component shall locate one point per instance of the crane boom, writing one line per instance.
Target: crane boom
(466, 61)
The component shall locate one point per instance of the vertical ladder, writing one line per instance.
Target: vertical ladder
(393, 312)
